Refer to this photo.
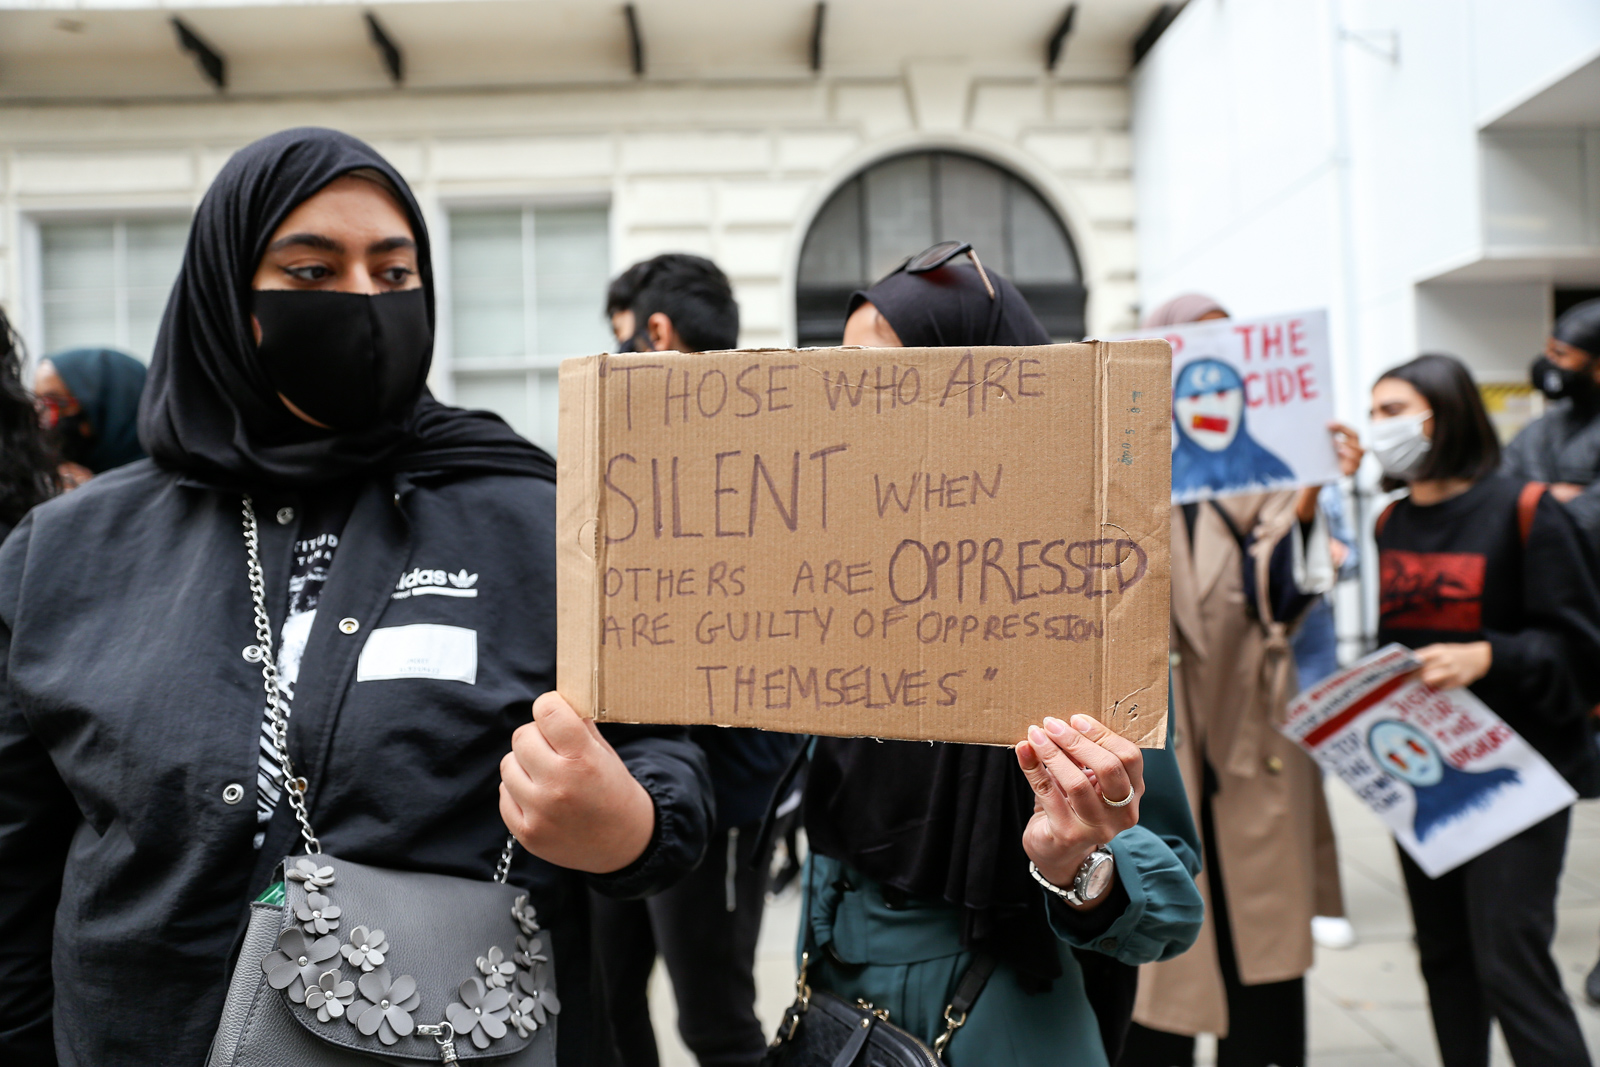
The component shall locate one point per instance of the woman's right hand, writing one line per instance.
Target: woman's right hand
(567, 796)
(1347, 443)
(1074, 770)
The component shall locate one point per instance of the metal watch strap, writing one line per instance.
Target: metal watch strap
(1070, 894)
(294, 785)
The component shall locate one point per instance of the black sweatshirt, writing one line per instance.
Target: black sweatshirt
(127, 711)
(1458, 571)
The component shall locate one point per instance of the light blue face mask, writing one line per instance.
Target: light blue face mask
(1400, 444)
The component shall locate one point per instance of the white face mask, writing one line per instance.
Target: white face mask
(1400, 445)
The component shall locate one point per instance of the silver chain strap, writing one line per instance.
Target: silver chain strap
(294, 785)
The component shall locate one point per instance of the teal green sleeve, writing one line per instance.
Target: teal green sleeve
(1157, 862)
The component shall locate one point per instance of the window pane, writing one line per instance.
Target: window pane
(155, 252)
(572, 265)
(506, 394)
(78, 256)
(899, 212)
(832, 254)
(972, 197)
(79, 320)
(145, 308)
(86, 275)
(1039, 248)
(486, 284)
(544, 408)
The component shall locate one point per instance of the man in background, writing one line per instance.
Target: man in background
(1562, 447)
(675, 302)
(705, 928)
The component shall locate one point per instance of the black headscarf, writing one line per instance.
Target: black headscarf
(209, 409)
(107, 384)
(941, 821)
(949, 307)
(1579, 326)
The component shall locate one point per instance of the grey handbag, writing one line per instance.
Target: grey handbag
(360, 965)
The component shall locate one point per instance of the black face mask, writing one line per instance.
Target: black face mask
(71, 443)
(1556, 383)
(346, 359)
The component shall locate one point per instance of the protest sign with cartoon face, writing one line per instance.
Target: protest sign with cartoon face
(1251, 401)
(1444, 772)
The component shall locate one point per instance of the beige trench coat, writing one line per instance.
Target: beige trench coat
(1231, 679)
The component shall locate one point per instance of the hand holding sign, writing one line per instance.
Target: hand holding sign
(1454, 666)
(567, 796)
(1074, 770)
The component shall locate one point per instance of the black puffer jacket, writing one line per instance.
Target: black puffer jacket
(127, 709)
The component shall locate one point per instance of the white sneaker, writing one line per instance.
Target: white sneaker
(1332, 932)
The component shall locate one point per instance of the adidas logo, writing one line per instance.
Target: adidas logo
(421, 581)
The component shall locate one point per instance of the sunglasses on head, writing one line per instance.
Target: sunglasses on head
(939, 255)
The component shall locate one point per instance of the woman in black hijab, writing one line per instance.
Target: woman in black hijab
(926, 857)
(139, 802)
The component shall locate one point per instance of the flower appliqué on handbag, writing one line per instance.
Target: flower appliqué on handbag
(298, 962)
(386, 1006)
(367, 948)
(330, 997)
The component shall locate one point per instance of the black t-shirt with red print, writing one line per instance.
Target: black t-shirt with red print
(1461, 571)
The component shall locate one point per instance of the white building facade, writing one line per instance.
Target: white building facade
(544, 163)
(1430, 172)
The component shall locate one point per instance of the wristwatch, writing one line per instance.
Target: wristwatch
(1089, 884)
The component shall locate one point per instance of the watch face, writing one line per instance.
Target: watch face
(1098, 880)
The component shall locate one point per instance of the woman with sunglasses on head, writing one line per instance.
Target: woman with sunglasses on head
(1059, 865)
(1490, 580)
(27, 469)
(143, 800)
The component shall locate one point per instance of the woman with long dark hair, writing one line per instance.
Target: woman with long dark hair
(304, 494)
(27, 474)
(932, 860)
(1488, 579)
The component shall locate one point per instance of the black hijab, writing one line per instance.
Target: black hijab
(950, 308)
(208, 408)
(941, 821)
(107, 384)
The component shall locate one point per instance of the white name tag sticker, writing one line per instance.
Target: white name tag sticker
(420, 650)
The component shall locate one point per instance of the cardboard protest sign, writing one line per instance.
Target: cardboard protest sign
(940, 544)
(1251, 401)
(1446, 774)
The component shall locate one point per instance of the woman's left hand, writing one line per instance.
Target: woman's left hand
(1074, 770)
(1454, 666)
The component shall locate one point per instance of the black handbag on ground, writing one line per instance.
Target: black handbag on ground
(353, 965)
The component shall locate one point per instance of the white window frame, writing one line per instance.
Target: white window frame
(445, 363)
(30, 247)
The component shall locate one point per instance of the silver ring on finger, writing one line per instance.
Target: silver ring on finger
(1124, 802)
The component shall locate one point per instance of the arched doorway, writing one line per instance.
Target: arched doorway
(901, 205)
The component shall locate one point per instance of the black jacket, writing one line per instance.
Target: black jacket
(127, 708)
(1460, 571)
(1562, 445)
